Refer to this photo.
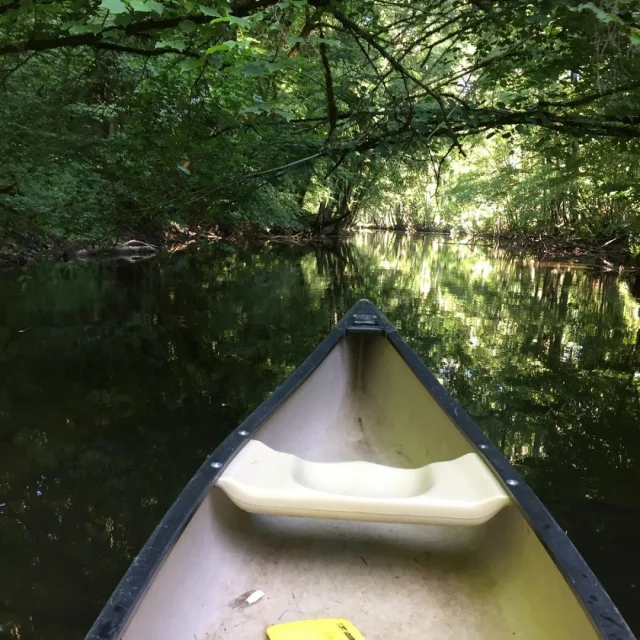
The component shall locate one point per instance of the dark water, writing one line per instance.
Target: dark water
(117, 379)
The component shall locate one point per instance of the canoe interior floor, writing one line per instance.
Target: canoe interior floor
(391, 581)
(491, 581)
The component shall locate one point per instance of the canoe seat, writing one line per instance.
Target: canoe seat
(456, 492)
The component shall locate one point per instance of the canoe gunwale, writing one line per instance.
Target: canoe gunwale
(591, 594)
(116, 613)
(118, 610)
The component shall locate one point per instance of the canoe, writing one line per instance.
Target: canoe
(360, 491)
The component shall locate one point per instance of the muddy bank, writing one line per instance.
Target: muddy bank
(17, 252)
(135, 245)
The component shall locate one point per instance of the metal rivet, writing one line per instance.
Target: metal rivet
(484, 446)
(243, 433)
(216, 465)
(513, 483)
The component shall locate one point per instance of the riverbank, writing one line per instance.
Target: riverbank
(21, 250)
(608, 255)
(136, 244)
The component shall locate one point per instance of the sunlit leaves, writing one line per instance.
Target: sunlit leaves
(114, 6)
(117, 7)
(146, 6)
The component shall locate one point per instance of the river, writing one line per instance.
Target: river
(117, 379)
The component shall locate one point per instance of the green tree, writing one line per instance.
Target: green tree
(133, 114)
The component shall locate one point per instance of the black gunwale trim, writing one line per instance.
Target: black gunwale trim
(118, 610)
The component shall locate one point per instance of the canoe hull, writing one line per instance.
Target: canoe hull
(363, 395)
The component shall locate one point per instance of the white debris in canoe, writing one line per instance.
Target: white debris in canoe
(255, 596)
(246, 599)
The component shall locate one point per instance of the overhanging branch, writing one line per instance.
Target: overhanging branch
(400, 68)
(239, 9)
(112, 46)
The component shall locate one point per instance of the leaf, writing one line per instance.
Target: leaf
(210, 11)
(146, 6)
(155, 6)
(173, 43)
(139, 5)
(187, 26)
(123, 19)
(114, 6)
(241, 22)
(93, 27)
(273, 66)
(217, 62)
(114, 34)
(285, 113)
(191, 64)
(224, 46)
(635, 37)
(253, 69)
(253, 108)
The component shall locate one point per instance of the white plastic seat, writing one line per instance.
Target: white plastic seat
(456, 492)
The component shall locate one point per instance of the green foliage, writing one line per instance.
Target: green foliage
(550, 187)
(271, 209)
(128, 115)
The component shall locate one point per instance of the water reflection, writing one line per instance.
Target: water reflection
(117, 379)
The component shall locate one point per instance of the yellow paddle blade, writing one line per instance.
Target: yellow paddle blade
(324, 629)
